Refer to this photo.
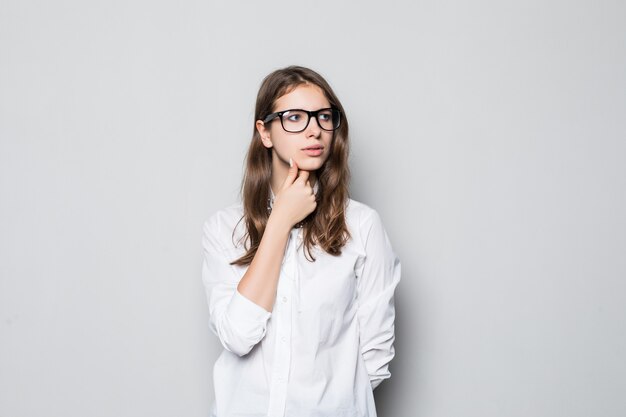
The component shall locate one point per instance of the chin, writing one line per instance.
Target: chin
(311, 164)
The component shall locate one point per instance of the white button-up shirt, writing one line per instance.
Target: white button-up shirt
(329, 339)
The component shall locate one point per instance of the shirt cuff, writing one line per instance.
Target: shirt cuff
(242, 310)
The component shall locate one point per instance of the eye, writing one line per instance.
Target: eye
(292, 116)
(325, 116)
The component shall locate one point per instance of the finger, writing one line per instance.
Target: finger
(303, 175)
(292, 174)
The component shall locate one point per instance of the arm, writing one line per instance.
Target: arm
(238, 323)
(260, 281)
(240, 308)
(292, 204)
(377, 278)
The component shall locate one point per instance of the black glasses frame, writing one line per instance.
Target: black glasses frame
(310, 115)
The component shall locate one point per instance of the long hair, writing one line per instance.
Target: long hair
(326, 225)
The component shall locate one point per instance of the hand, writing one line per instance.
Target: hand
(296, 199)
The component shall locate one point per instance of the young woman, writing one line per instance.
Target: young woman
(299, 277)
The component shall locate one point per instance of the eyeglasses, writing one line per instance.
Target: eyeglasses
(296, 120)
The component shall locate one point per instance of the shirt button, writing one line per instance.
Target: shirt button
(284, 339)
(284, 299)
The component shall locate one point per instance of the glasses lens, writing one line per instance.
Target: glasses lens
(294, 120)
(297, 120)
(329, 119)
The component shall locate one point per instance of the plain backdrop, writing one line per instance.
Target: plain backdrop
(489, 135)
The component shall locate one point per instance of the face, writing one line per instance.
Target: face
(287, 145)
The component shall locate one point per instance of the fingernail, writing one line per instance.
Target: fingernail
(290, 162)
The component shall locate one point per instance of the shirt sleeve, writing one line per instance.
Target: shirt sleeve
(238, 322)
(377, 277)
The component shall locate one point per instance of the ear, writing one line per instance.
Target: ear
(264, 133)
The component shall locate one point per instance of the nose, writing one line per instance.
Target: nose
(313, 129)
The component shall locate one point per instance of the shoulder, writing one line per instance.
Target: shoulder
(226, 215)
(360, 212)
(221, 224)
(360, 218)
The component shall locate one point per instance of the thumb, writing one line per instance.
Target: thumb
(292, 174)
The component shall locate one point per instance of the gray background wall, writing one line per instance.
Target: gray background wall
(490, 135)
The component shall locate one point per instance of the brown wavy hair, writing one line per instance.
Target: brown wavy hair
(326, 225)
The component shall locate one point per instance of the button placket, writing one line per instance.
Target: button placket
(283, 317)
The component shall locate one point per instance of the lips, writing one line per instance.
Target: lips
(313, 150)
